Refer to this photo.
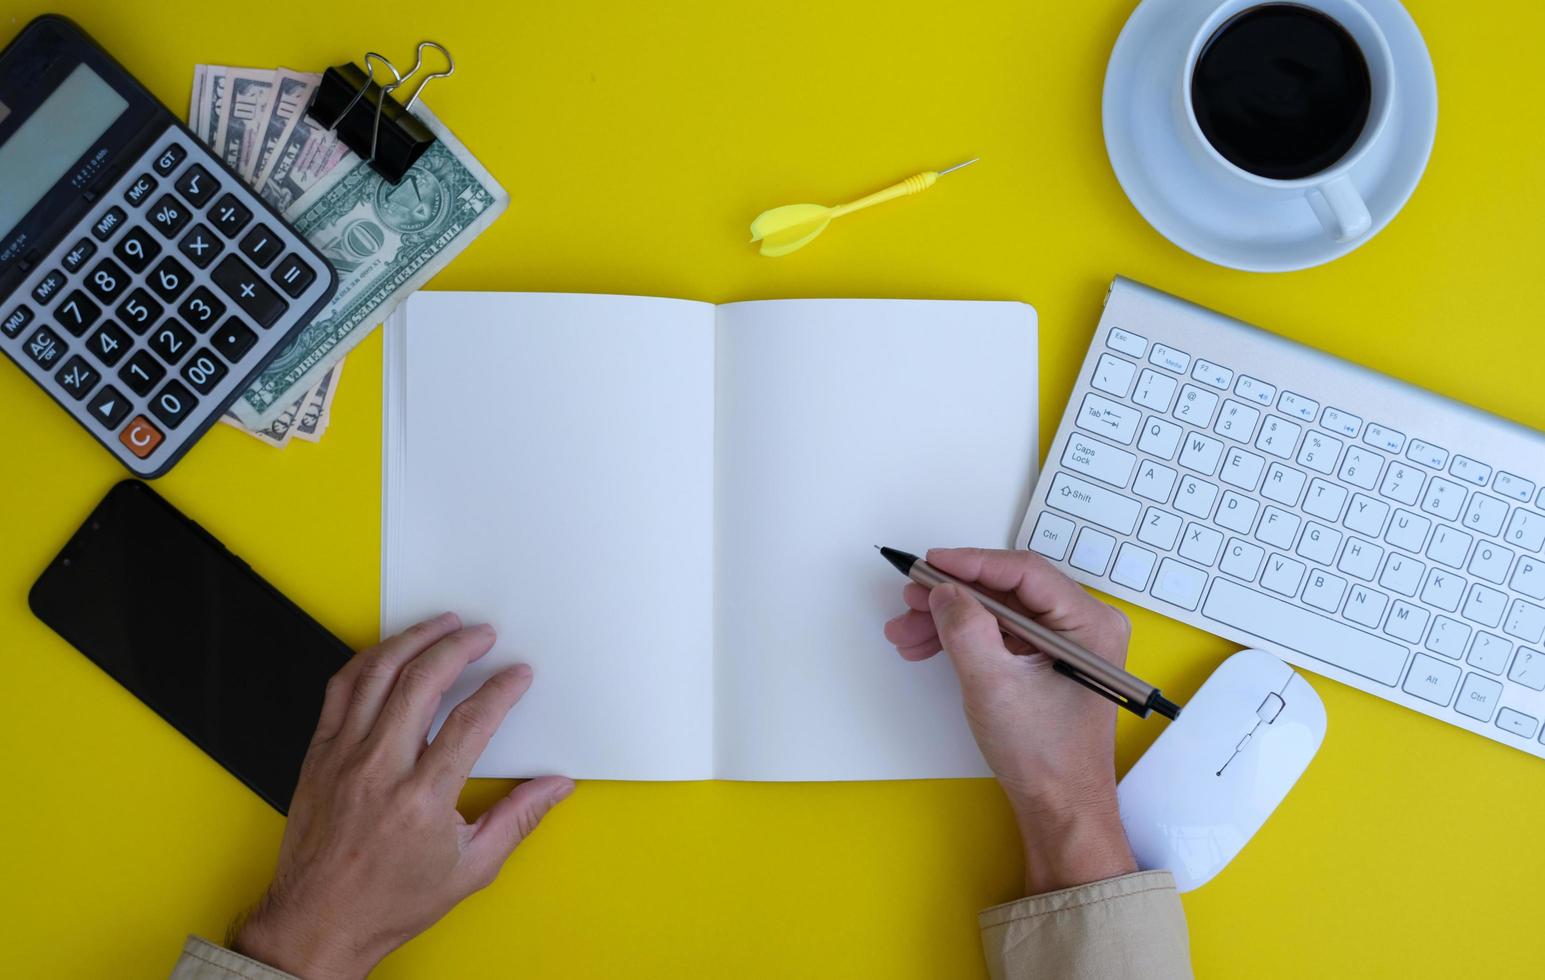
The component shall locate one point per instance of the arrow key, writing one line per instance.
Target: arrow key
(109, 407)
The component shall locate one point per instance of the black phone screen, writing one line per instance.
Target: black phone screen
(193, 632)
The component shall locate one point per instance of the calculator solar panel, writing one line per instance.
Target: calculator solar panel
(143, 285)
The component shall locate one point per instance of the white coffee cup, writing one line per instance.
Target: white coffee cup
(1330, 193)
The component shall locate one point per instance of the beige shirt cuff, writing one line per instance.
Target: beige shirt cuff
(1127, 927)
(203, 960)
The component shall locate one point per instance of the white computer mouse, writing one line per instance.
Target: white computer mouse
(1209, 782)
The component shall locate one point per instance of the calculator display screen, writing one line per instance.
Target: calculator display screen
(47, 146)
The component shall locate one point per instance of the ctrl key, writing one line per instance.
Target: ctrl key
(1052, 536)
(141, 437)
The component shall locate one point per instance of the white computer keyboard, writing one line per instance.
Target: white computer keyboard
(1270, 493)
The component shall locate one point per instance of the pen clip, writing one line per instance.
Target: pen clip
(1062, 667)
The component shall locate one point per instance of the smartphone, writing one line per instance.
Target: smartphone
(193, 632)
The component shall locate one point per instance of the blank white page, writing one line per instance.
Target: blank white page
(549, 469)
(845, 424)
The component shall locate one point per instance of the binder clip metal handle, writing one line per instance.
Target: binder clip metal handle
(380, 130)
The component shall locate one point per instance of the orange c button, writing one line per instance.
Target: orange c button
(140, 436)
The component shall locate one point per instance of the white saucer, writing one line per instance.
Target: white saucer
(1239, 227)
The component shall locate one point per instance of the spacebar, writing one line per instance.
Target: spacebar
(1309, 633)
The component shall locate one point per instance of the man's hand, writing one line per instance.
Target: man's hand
(1050, 742)
(375, 852)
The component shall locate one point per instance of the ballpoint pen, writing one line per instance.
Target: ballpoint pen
(1089, 669)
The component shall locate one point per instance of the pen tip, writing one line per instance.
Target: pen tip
(900, 559)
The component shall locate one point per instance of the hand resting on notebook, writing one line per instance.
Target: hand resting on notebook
(374, 851)
(1051, 743)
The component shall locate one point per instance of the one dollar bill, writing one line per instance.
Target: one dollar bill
(385, 241)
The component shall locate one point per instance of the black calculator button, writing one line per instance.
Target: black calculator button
(203, 371)
(109, 343)
(233, 340)
(170, 340)
(109, 407)
(173, 403)
(200, 246)
(139, 311)
(260, 245)
(168, 215)
(15, 320)
(139, 192)
(108, 223)
(293, 275)
(45, 347)
(229, 216)
(169, 159)
(197, 186)
(137, 249)
(106, 280)
(77, 377)
(169, 279)
(248, 289)
(77, 312)
(48, 287)
(201, 309)
(141, 372)
(77, 256)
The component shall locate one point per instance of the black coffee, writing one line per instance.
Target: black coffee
(1281, 91)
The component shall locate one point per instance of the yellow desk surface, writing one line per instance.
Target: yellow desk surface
(633, 140)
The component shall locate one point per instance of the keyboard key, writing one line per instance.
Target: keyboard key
(1159, 528)
(233, 340)
(1241, 559)
(1360, 467)
(1525, 621)
(1320, 452)
(293, 275)
(1478, 697)
(1126, 341)
(45, 347)
(1201, 454)
(1299, 407)
(1241, 469)
(1103, 507)
(1514, 487)
(1170, 359)
(1195, 497)
(168, 215)
(1307, 632)
(201, 309)
(1324, 591)
(1283, 484)
(203, 371)
(1402, 483)
(1366, 515)
(1526, 529)
(1283, 575)
(1431, 680)
(1408, 531)
(1516, 722)
(1491, 562)
(1255, 390)
(77, 255)
(1485, 514)
(109, 343)
(1443, 498)
(264, 306)
(1052, 536)
(1093, 550)
(1195, 406)
(1406, 622)
(48, 287)
(108, 407)
(77, 312)
(173, 403)
(1099, 415)
(77, 377)
(1484, 605)
(1427, 454)
(16, 321)
(1111, 375)
(141, 436)
(1154, 481)
(141, 372)
(1401, 574)
(1529, 578)
(229, 216)
(1200, 544)
(199, 245)
(1450, 547)
(1325, 500)
(1278, 527)
(1528, 669)
(1278, 437)
(1319, 543)
(1360, 559)
(169, 159)
(139, 192)
(1341, 423)
(1209, 373)
(139, 311)
(1237, 512)
(107, 280)
(1470, 471)
(260, 245)
(1160, 438)
(1489, 653)
(1093, 458)
(1155, 390)
(136, 249)
(1443, 589)
(1178, 584)
(1133, 566)
(170, 340)
(196, 186)
(1383, 437)
(1237, 421)
(112, 219)
(1365, 606)
(169, 279)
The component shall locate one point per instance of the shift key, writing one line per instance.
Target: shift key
(1113, 510)
(243, 284)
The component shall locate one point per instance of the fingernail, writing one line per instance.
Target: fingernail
(895, 619)
(562, 791)
(481, 628)
(448, 618)
(522, 671)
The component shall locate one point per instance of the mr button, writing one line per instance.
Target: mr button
(140, 436)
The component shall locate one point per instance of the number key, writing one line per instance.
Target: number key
(169, 159)
(171, 340)
(48, 287)
(203, 371)
(107, 280)
(260, 245)
(77, 312)
(109, 343)
(137, 249)
(77, 256)
(77, 377)
(229, 216)
(200, 246)
(201, 309)
(173, 403)
(233, 340)
(141, 372)
(169, 280)
(140, 190)
(168, 215)
(139, 311)
(197, 186)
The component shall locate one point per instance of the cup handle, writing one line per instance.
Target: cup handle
(1341, 209)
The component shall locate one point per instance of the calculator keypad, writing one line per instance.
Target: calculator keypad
(148, 320)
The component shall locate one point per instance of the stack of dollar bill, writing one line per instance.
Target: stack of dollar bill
(385, 241)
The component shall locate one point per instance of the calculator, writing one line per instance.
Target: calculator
(143, 285)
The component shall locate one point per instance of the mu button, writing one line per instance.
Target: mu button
(140, 436)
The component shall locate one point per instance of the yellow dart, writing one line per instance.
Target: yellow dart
(793, 226)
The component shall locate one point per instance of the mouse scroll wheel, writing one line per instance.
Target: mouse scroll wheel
(1270, 708)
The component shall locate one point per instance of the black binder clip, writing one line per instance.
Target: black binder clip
(380, 130)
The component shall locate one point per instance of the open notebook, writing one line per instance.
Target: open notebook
(669, 510)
